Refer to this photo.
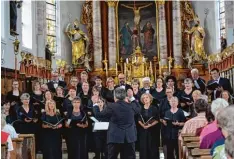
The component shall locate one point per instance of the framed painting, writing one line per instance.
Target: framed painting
(136, 26)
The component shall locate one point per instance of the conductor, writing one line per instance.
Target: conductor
(122, 133)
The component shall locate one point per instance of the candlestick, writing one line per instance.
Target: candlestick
(151, 70)
(116, 69)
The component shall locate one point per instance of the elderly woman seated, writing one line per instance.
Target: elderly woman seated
(199, 121)
(229, 146)
(216, 106)
(225, 120)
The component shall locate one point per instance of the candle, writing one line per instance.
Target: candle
(151, 71)
(169, 66)
(116, 69)
(143, 59)
(125, 68)
(127, 60)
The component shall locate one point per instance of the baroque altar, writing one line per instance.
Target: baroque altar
(142, 38)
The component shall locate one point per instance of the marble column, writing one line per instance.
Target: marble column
(162, 35)
(177, 35)
(97, 36)
(112, 52)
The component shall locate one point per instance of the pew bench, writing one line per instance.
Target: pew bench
(17, 145)
(28, 148)
(200, 153)
(4, 151)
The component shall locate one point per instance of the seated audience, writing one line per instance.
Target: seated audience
(199, 121)
(8, 128)
(216, 106)
(226, 95)
(229, 147)
(225, 120)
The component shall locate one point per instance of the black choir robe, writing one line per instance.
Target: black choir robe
(149, 139)
(77, 137)
(51, 138)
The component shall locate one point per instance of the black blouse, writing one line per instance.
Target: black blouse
(149, 115)
(171, 131)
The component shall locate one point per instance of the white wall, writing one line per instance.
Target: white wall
(210, 24)
(7, 40)
(74, 10)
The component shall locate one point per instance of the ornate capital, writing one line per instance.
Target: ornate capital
(160, 2)
(112, 3)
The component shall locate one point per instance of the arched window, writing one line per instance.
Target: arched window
(27, 24)
(222, 23)
(52, 25)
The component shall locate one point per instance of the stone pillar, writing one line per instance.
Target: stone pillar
(41, 27)
(112, 52)
(97, 36)
(162, 35)
(177, 35)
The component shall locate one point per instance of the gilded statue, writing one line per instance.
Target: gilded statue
(79, 41)
(197, 34)
(137, 16)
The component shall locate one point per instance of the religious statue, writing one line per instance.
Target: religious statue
(189, 59)
(79, 42)
(86, 63)
(197, 41)
(125, 39)
(136, 9)
(135, 39)
(148, 36)
(14, 4)
(48, 53)
(223, 43)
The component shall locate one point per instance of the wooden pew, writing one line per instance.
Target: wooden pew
(198, 153)
(17, 145)
(28, 149)
(186, 140)
(4, 151)
(189, 146)
(181, 143)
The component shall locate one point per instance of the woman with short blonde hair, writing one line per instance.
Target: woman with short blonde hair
(149, 131)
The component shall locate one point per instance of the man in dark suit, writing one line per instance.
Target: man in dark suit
(55, 82)
(122, 133)
(122, 82)
(224, 84)
(199, 83)
(83, 78)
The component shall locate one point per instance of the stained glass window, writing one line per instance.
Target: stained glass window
(51, 25)
(222, 18)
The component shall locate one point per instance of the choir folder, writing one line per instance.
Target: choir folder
(99, 125)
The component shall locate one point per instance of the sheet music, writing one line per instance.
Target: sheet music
(101, 126)
(94, 119)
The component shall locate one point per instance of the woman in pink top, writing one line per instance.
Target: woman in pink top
(216, 106)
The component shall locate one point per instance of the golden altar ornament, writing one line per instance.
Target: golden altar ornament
(16, 45)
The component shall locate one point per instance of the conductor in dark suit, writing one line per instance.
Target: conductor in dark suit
(55, 82)
(122, 82)
(122, 133)
(224, 84)
(199, 83)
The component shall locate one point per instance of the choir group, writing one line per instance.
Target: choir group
(57, 111)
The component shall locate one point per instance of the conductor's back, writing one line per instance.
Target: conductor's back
(122, 133)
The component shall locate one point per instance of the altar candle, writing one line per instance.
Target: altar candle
(151, 70)
(169, 66)
(116, 69)
(143, 59)
(127, 60)
(125, 69)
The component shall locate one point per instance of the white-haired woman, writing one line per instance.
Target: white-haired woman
(51, 136)
(27, 115)
(173, 121)
(225, 119)
(185, 96)
(229, 146)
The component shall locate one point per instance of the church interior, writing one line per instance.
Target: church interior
(123, 42)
